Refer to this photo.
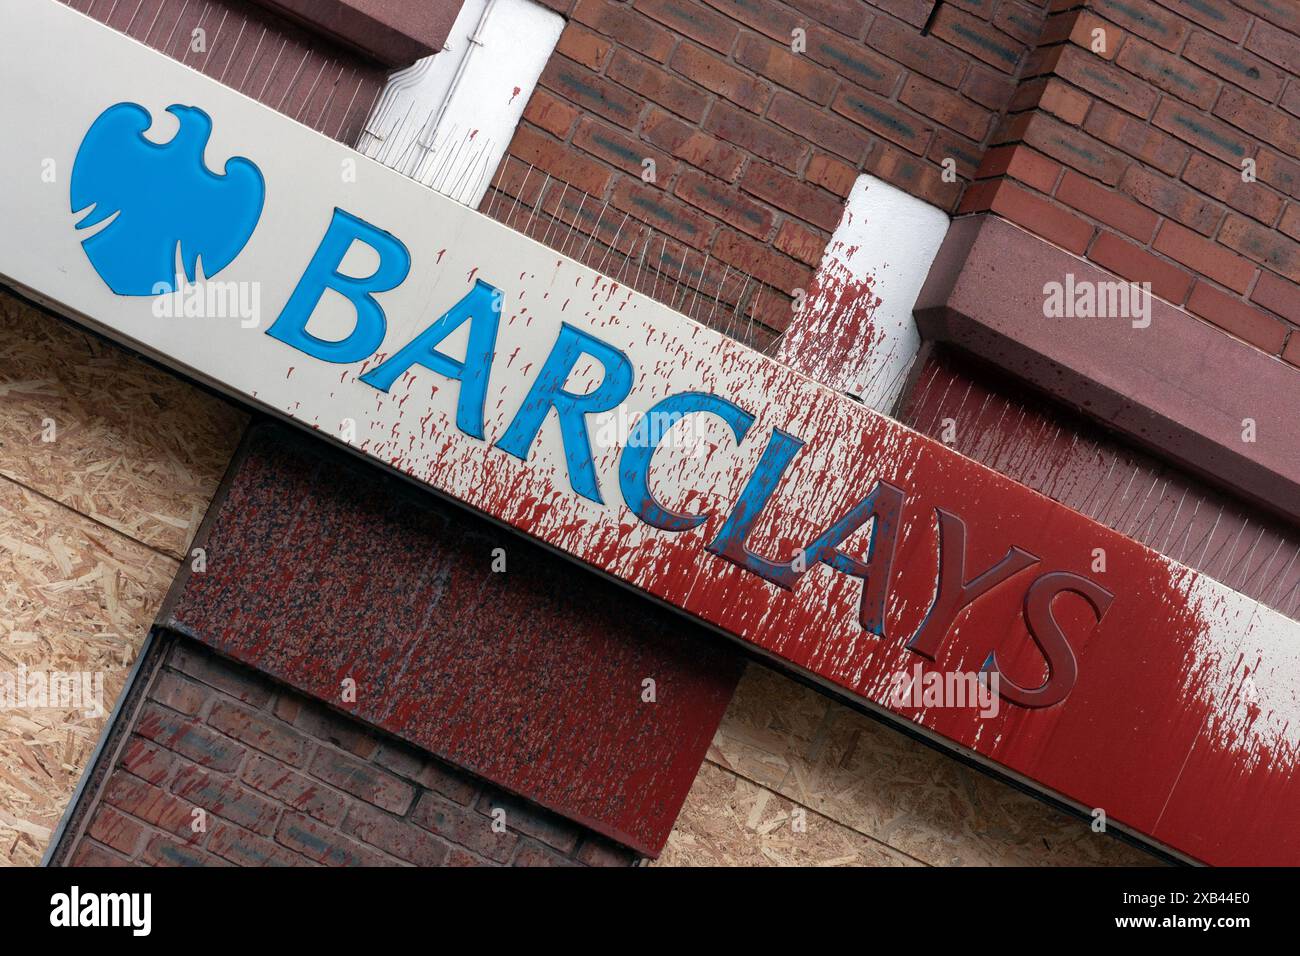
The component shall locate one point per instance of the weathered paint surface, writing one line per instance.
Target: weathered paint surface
(1182, 689)
(461, 638)
(855, 332)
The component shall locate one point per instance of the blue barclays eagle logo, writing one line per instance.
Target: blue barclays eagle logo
(168, 211)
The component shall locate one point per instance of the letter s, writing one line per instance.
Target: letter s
(1062, 669)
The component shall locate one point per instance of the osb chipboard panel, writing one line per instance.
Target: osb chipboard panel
(885, 785)
(74, 597)
(730, 821)
(132, 447)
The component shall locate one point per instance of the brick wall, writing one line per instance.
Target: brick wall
(281, 780)
(1125, 140)
(755, 146)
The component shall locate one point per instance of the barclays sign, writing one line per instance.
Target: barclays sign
(488, 369)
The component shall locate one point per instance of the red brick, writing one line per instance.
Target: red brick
(1278, 171)
(1276, 46)
(716, 74)
(1291, 99)
(752, 134)
(591, 92)
(1173, 199)
(1292, 351)
(1204, 256)
(726, 203)
(550, 113)
(533, 854)
(1145, 19)
(761, 262)
(913, 175)
(150, 804)
(1022, 163)
(207, 668)
(618, 149)
(464, 827)
(148, 761)
(1107, 206)
(799, 199)
(1222, 18)
(768, 17)
(532, 821)
(396, 836)
(882, 118)
(1075, 149)
(1022, 22)
(1284, 15)
(1125, 259)
(693, 146)
(848, 18)
(617, 19)
(819, 127)
(949, 145)
(657, 85)
(653, 205)
(1077, 27)
(1268, 247)
(320, 722)
(830, 173)
(580, 44)
(926, 54)
(1204, 132)
(1064, 102)
(314, 841)
(1107, 81)
(977, 38)
(853, 61)
(915, 12)
(1290, 222)
(1225, 184)
(945, 107)
(797, 240)
(224, 797)
(247, 849)
(597, 852)
(189, 738)
(174, 691)
(1041, 217)
(116, 830)
(1234, 65)
(362, 780)
(1277, 295)
(794, 72)
(1171, 73)
(1122, 131)
(164, 851)
(89, 853)
(294, 789)
(987, 87)
(562, 162)
(1232, 315)
(1259, 118)
(692, 20)
(258, 731)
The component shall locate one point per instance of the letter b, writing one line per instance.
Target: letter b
(323, 273)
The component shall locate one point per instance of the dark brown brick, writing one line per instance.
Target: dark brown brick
(725, 202)
(752, 134)
(657, 85)
(884, 119)
(369, 783)
(692, 20)
(395, 836)
(464, 827)
(189, 738)
(799, 199)
(716, 74)
(294, 789)
(316, 842)
(778, 64)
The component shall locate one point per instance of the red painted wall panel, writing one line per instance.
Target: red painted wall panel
(320, 568)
